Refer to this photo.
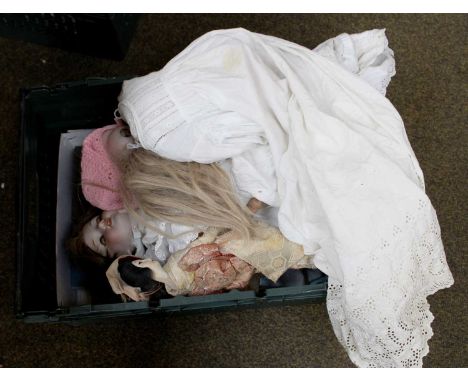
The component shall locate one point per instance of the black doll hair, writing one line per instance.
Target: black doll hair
(79, 251)
(88, 268)
(138, 277)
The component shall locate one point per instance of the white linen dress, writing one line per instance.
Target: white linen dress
(311, 133)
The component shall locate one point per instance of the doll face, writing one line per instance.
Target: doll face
(116, 142)
(109, 234)
(142, 263)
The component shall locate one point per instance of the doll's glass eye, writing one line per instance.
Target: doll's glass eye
(125, 132)
(102, 240)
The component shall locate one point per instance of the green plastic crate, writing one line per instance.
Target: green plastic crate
(47, 112)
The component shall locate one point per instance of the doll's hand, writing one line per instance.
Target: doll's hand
(254, 205)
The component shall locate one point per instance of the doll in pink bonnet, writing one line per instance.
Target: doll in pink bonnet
(104, 154)
(103, 151)
(115, 231)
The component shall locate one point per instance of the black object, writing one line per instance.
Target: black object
(292, 277)
(295, 277)
(101, 35)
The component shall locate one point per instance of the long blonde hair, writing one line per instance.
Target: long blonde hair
(186, 193)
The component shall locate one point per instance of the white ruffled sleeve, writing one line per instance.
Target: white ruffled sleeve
(366, 54)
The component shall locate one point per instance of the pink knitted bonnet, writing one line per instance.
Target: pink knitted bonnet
(100, 177)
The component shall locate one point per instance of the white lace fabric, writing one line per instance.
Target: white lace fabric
(392, 326)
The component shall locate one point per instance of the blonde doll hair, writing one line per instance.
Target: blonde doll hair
(186, 193)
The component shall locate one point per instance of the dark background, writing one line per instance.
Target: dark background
(430, 92)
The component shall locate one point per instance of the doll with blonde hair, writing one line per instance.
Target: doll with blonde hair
(115, 174)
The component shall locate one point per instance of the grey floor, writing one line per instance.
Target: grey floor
(429, 90)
